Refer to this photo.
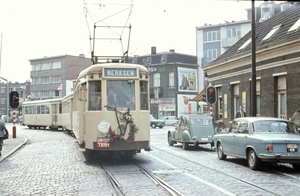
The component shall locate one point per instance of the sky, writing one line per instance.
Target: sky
(35, 29)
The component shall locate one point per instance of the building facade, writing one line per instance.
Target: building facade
(173, 81)
(53, 77)
(277, 66)
(214, 40)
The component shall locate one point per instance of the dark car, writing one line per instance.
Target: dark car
(260, 139)
(154, 122)
(192, 129)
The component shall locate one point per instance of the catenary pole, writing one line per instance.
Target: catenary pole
(253, 75)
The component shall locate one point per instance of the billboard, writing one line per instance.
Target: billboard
(184, 105)
(187, 80)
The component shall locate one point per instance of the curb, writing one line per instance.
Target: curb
(13, 150)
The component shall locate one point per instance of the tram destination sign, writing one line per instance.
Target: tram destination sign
(120, 72)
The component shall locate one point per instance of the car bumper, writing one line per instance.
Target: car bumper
(280, 158)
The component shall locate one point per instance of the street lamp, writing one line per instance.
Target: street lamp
(7, 97)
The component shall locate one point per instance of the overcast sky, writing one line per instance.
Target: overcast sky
(33, 29)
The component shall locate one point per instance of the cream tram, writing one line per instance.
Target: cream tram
(110, 108)
(42, 114)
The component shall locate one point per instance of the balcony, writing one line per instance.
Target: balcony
(229, 41)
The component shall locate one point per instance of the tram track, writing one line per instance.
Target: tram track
(120, 188)
(249, 183)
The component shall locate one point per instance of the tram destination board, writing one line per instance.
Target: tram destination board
(120, 72)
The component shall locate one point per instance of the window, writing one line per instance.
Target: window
(45, 94)
(234, 32)
(134, 61)
(156, 79)
(272, 33)
(35, 80)
(220, 102)
(212, 54)
(56, 79)
(163, 59)
(245, 45)
(171, 80)
(281, 90)
(56, 65)
(295, 27)
(45, 66)
(2, 90)
(45, 80)
(266, 13)
(37, 67)
(211, 36)
(121, 94)
(144, 95)
(95, 95)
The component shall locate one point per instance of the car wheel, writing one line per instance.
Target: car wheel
(253, 161)
(170, 141)
(296, 166)
(220, 152)
(153, 125)
(185, 145)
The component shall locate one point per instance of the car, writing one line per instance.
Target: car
(170, 120)
(7, 119)
(192, 129)
(154, 122)
(260, 139)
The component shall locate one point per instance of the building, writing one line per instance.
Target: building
(214, 40)
(169, 96)
(53, 77)
(22, 88)
(277, 68)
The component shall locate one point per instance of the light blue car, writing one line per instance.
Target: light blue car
(260, 139)
(193, 130)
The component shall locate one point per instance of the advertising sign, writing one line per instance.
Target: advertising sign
(185, 106)
(187, 80)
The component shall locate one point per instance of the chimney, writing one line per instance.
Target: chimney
(153, 50)
(172, 50)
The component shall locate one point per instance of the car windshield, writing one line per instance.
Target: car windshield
(201, 121)
(274, 126)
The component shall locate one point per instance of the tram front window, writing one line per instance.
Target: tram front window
(95, 95)
(121, 94)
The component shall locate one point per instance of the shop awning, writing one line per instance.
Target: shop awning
(199, 97)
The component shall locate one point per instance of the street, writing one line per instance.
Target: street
(51, 163)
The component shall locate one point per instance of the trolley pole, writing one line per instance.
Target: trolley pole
(14, 129)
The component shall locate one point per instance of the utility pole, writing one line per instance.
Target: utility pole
(253, 75)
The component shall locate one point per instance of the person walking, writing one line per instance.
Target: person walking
(2, 129)
(240, 113)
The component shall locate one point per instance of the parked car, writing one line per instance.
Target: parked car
(260, 139)
(154, 122)
(192, 129)
(7, 119)
(170, 120)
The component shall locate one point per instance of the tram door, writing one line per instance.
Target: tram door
(54, 114)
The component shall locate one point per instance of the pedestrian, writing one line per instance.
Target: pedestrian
(2, 129)
(240, 113)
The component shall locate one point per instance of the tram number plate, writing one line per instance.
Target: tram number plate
(292, 147)
(103, 143)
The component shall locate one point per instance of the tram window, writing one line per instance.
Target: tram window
(42, 109)
(30, 110)
(47, 109)
(144, 95)
(121, 94)
(38, 109)
(34, 110)
(95, 95)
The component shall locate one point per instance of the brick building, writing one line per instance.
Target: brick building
(277, 70)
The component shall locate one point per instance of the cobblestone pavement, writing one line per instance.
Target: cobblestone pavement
(49, 164)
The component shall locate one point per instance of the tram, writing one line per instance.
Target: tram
(108, 111)
(110, 108)
(42, 114)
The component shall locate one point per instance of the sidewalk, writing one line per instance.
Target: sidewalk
(11, 144)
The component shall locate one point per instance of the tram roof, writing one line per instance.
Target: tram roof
(98, 67)
(36, 102)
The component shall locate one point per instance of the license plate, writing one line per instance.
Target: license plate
(103, 143)
(292, 148)
(204, 139)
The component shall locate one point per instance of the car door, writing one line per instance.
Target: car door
(228, 139)
(178, 128)
(241, 137)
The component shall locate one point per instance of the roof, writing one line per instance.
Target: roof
(253, 119)
(286, 19)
